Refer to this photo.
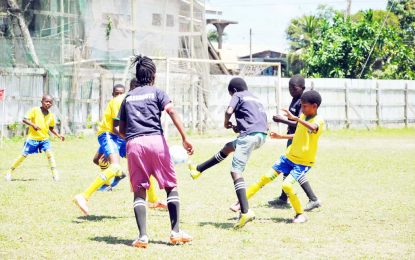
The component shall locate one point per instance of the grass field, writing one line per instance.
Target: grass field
(366, 181)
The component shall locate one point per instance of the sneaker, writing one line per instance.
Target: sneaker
(279, 203)
(194, 173)
(236, 207)
(81, 202)
(8, 176)
(179, 238)
(141, 242)
(312, 205)
(244, 218)
(157, 205)
(117, 180)
(299, 218)
(105, 187)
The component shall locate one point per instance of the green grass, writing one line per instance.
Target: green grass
(366, 181)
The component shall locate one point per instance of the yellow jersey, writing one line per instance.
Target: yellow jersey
(36, 116)
(110, 113)
(303, 149)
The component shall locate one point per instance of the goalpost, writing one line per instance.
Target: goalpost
(198, 88)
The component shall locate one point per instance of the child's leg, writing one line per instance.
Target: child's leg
(305, 185)
(151, 192)
(16, 163)
(140, 211)
(52, 162)
(173, 204)
(264, 180)
(217, 158)
(288, 188)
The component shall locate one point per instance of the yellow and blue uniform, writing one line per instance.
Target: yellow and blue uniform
(38, 141)
(301, 154)
(108, 141)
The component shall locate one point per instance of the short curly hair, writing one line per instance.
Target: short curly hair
(311, 97)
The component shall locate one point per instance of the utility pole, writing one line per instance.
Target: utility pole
(250, 44)
(133, 26)
(349, 8)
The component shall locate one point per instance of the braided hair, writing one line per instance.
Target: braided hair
(145, 70)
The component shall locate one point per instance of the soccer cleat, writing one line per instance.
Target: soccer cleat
(312, 205)
(105, 187)
(179, 238)
(299, 218)
(157, 205)
(279, 203)
(236, 207)
(8, 176)
(244, 218)
(117, 180)
(141, 242)
(80, 201)
(194, 173)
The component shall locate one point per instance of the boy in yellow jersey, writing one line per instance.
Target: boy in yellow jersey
(40, 121)
(102, 161)
(300, 156)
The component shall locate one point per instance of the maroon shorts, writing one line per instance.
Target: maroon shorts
(149, 155)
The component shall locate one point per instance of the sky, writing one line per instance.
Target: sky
(269, 18)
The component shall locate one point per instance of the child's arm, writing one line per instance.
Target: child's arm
(122, 127)
(29, 123)
(281, 119)
(179, 125)
(312, 127)
(227, 124)
(52, 130)
(116, 126)
(275, 135)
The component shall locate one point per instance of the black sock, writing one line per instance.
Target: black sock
(140, 212)
(173, 204)
(240, 190)
(217, 158)
(307, 188)
(283, 196)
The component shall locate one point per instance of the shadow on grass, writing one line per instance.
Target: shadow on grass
(281, 220)
(112, 240)
(18, 180)
(83, 219)
(119, 241)
(217, 225)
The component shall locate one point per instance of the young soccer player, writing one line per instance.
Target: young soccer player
(300, 155)
(252, 125)
(147, 150)
(296, 87)
(40, 121)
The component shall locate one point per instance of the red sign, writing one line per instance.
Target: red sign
(2, 94)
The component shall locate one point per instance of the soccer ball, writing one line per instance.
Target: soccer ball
(178, 154)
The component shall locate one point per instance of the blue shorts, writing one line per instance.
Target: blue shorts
(110, 143)
(33, 146)
(286, 167)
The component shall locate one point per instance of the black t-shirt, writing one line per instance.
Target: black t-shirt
(295, 109)
(249, 113)
(141, 110)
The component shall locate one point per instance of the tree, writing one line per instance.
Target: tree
(354, 46)
(405, 11)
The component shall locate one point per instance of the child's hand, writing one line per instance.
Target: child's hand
(289, 115)
(188, 147)
(275, 135)
(62, 138)
(35, 127)
(228, 125)
(235, 129)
